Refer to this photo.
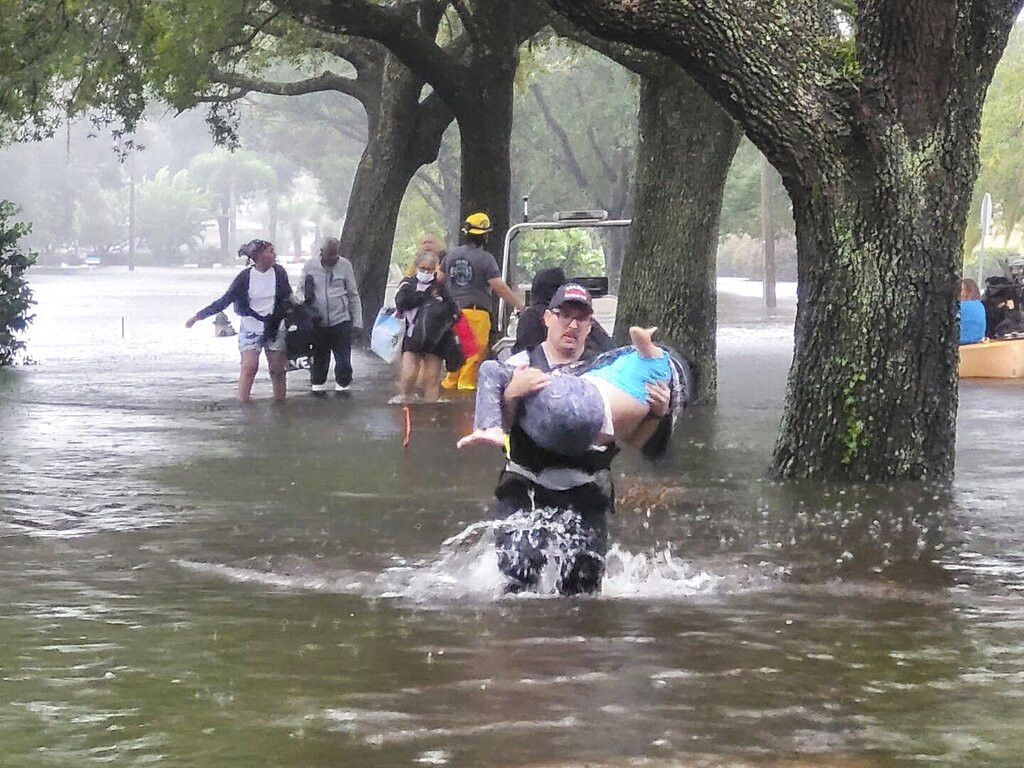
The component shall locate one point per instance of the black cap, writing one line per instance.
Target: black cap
(571, 292)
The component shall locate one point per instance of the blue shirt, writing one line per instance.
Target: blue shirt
(972, 321)
(631, 373)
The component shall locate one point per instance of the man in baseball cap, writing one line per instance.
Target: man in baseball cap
(569, 318)
(571, 293)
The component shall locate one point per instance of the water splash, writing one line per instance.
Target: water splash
(659, 574)
(466, 568)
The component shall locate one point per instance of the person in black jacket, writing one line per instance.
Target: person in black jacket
(430, 314)
(531, 329)
(261, 295)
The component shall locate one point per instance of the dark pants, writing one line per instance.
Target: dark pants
(336, 339)
(568, 529)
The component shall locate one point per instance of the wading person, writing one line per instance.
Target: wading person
(429, 314)
(329, 287)
(260, 294)
(431, 243)
(555, 505)
(472, 275)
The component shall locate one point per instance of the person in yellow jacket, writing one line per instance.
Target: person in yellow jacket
(472, 277)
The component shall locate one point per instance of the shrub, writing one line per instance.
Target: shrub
(15, 295)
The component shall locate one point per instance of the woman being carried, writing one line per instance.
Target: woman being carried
(581, 405)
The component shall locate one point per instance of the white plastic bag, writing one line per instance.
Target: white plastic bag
(386, 337)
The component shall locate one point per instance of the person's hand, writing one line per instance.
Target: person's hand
(358, 336)
(525, 381)
(191, 321)
(658, 398)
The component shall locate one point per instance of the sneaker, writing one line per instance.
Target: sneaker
(318, 387)
(341, 387)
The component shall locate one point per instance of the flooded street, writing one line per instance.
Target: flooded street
(185, 581)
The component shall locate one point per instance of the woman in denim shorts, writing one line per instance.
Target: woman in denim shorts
(260, 294)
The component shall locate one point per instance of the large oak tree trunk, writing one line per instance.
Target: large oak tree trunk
(403, 135)
(668, 279)
(485, 135)
(872, 390)
(873, 125)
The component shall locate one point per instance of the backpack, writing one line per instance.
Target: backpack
(433, 320)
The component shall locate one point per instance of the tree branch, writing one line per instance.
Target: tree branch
(432, 118)
(609, 172)
(392, 27)
(246, 41)
(562, 138)
(326, 81)
(433, 195)
(466, 17)
(225, 98)
(764, 63)
(633, 59)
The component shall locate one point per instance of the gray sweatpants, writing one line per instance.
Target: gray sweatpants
(565, 417)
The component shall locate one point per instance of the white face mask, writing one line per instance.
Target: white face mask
(424, 276)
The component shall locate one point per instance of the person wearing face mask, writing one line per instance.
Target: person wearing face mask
(430, 314)
(329, 285)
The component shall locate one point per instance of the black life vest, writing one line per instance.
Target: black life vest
(527, 454)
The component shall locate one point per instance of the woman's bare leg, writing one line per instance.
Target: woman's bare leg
(408, 373)
(277, 362)
(430, 378)
(250, 366)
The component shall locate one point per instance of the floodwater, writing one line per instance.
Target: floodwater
(188, 582)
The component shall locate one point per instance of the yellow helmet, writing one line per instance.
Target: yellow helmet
(478, 223)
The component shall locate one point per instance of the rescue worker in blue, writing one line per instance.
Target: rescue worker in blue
(554, 505)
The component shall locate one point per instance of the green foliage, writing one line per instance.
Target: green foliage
(292, 133)
(101, 216)
(60, 59)
(854, 424)
(741, 200)
(844, 52)
(225, 173)
(297, 214)
(171, 212)
(1001, 148)
(571, 249)
(15, 295)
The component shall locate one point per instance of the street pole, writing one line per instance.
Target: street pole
(768, 233)
(986, 221)
(131, 211)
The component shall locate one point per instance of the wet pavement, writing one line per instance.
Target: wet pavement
(186, 581)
